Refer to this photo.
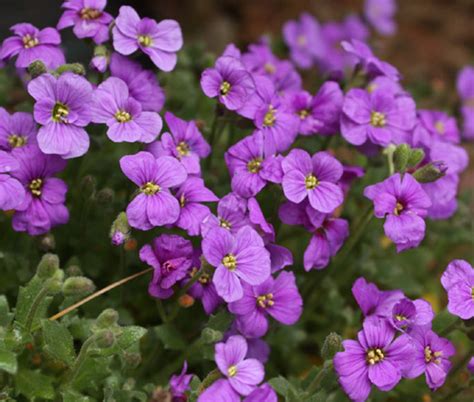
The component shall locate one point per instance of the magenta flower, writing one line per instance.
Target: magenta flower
(250, 167)
(465, 87)
(154, 205)
(439, 126)
(63, 109)
(302, 37)
(16, 130)
(264, 393)
(184, 142)
(458, 281)
(179, 384)
(30, 44)
(314, 178)
(99, 63)
(376, 358)
(142, 84)
(470, 365)
(192, 213)
(237, 258)
(88, 19)
(277, 297)
(241, 375)
(403, 203)
(377, 117)
(123, 115)
(42, 205)
(408, 315)
(171, 257)
(12, 192)
(430, 356)
(229, 81)
(380, 14)
(160, 41)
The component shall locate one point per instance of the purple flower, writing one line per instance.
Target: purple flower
(99, 63)
(184, 142)
(142, 84)
(407, 314)
(63, 109)
(179, 384)
(301, 37)
(470, 365)
(439, 126)
(43, 198)
(350, 174)
(314, 178)
(377, 117)
(264, 393)
(369, 63)
(237, 258)
(171, 257)
(380, 14)
(204, 289)
(154, 205)
(403, 203)
(374, 359)
(88, 18)
(126, 122)
(383, 83)
(250, 167)
(277, 297)
(31, 44)
(229, 81)
(458, 281)
(241, 375)
(12, 192)
(160, 41)
(465, 86)
(430, 356)
(192, 213)
(16, 130)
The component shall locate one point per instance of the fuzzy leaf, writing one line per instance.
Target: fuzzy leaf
(5, 315)
(171, 337)
(58, 342)
(91, 373)
(33, 385)
(8, 361)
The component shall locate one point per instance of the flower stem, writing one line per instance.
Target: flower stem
(451, 327)
(81, 357)
(34, 307)
(314, 385)
(212, 135)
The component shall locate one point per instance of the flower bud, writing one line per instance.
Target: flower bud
(54, 285)
(47, 242)
(48, 266)
(87, 186)
(120, 230)
(400, 157)
(332, 344)
(76, 68)
(415, 157)
(37, 68)
(430, 172)
(73, 270)
(132, 359)
(78, 286)
(105, 196)
(104, 339)
(186, 301)
(107, 318)
(210, 336)
(161, 395)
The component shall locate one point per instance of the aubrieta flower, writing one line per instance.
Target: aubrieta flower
(465, 87)
(277, 297)
(380, 14)
(242, 257)
(229, 81)
(430, 356)
(63, 109)
(470, 365)
(142, 84)
(99, 63)
(376, 358)
(31, 44)
(241, 375)
(42, 205)
(458, 281)
(250, 167)
(171, 257)
(184, 142)
(350, 174)
(408, 315)
(160, 41)
(88, 18)
(403, 203)
(154, 205)
(439, 126)
(179, 384)
(376, 117)
(264, 393)
(314, 178)
(301, 36)
(12, 192)
(126, 121)
(16, 130)
(203, 289)
(191, 194)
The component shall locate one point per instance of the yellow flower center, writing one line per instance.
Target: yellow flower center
(303, 114)
(377, 119)
(265, 301)
(182, 201)
(311, 182)
(225, 88)
(230, 262)
(122, 116)
(375, 356)
(183, 148)
(232, 371)
(472, 293)
(29, 41)
(439, 127)
(254, 165)
(469, 102)
(90, 13)
(150, 188)
(145, 40)
(371, 88)
(399, 317)
(398, 208)
(269, 68)
(270, 117)
(16, 141)
(301, 40)
(224, 224)
(431, 356)
(60, 113)
(35, 187)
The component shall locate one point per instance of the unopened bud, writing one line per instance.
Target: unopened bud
(37, 68)
(130, 245)
(47, 242)
(105, 196)
(78, 286)
(415, 157)
(54, 285)
(132, 359)
(430, 172)
(400, 157)
(104, 339)
(332, 344)
(107, 318)
(88, 184)
(48, 266)
(117, 238)
(120, 230)
(186, 301)
(210, 336)
(73, 270)
(76, 68)
(161, 395)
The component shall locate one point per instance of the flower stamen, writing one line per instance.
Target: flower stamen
(35, 187)
(60, 113)
(145, 40)
(230, 262)
(265, 301)
(311, 182)
(377, 119)
(150, 188)
(16, 141)
(375, 356)
(29, 41)
(122, 116)
(270, 117)
(90, 13)
(232, 371)
(255, 165)
(225, 88)
(183, 148)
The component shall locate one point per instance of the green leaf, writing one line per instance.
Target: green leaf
(58, 342)
(128, 337)
(92, 371)
(5, 315)
(8, 361)
(443, 320)
(171, 337)
(33, 384)
(73, 396)
(220, 322)
(280, 385)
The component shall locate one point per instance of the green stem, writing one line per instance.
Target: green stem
(212, 136)
(34, 307)
(161, 311)
(314, 385)
(80, 359)
(451, 327)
